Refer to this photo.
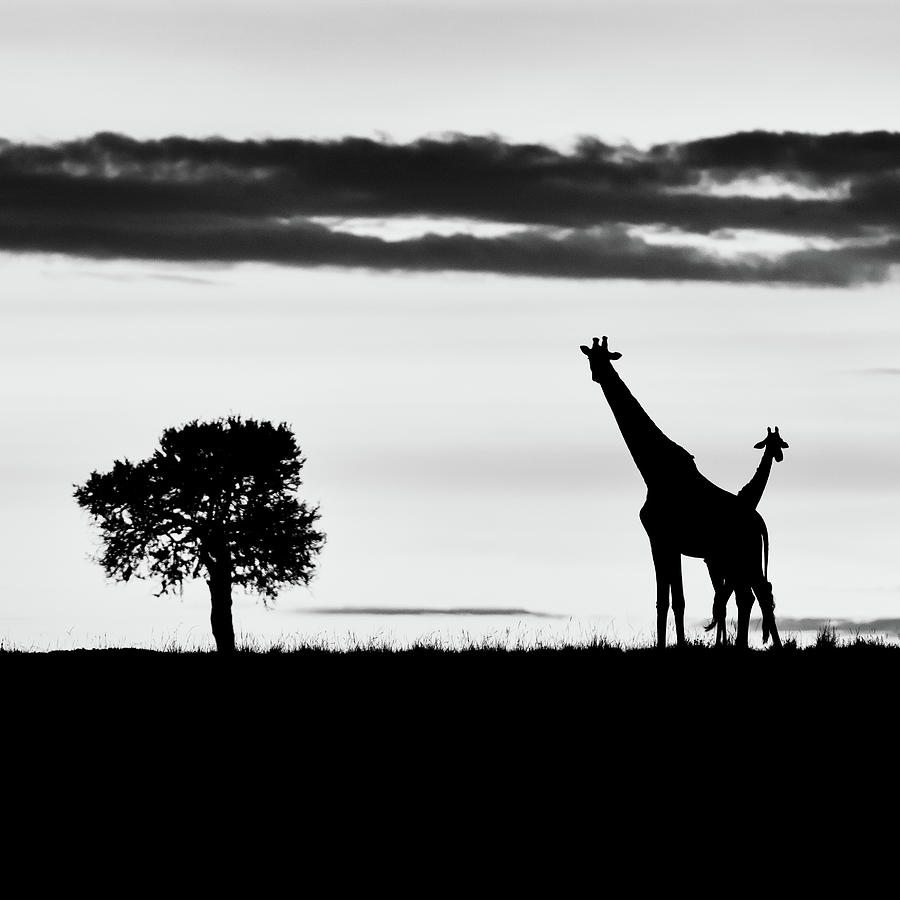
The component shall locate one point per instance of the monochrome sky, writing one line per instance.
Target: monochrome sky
(392, 224)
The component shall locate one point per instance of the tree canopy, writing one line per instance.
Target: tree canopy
(216, 499)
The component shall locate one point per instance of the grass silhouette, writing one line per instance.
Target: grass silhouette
(487, 716)
(507, 643)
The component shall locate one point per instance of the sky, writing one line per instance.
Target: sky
(627, 70)
(391, 225)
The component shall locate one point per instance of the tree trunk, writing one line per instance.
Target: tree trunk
(220, 618)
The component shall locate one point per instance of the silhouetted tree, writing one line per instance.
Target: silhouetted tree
(216, 500)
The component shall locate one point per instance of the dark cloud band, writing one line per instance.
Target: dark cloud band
(604, 254)
(218, 200)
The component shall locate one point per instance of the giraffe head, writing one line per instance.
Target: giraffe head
(772, 444)
(599, 356)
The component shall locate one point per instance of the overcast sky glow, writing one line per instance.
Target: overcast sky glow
(638, 70)
(414, 309)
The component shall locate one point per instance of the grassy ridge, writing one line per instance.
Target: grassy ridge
(499, 722)
(483, 673)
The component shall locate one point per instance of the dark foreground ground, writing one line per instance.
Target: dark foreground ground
(720, 758)
(571, 689)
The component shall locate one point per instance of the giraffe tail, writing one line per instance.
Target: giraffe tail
(767, 611)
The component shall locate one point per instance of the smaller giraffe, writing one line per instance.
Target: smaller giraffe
(751, 493)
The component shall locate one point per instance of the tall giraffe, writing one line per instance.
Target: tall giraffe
(773, 447)
(685, 514)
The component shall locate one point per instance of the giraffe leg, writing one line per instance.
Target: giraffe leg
(745, 604)
(763, 591)
(678, 599)
(662, 562)
(721, 593)
(720, 602)
(720, 612)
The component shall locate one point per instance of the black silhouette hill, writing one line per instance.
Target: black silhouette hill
(482, 679)
(458, 747)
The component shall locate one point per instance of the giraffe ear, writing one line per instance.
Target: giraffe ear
(585, 350)
(615, 355)
(759, 446)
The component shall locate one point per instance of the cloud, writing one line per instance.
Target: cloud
(426, 611)
(808, 158)
(608, 253)
(184, 199)
(473, 177)
(844, 626)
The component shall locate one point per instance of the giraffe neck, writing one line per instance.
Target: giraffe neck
(658, 458)
(752, 491)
